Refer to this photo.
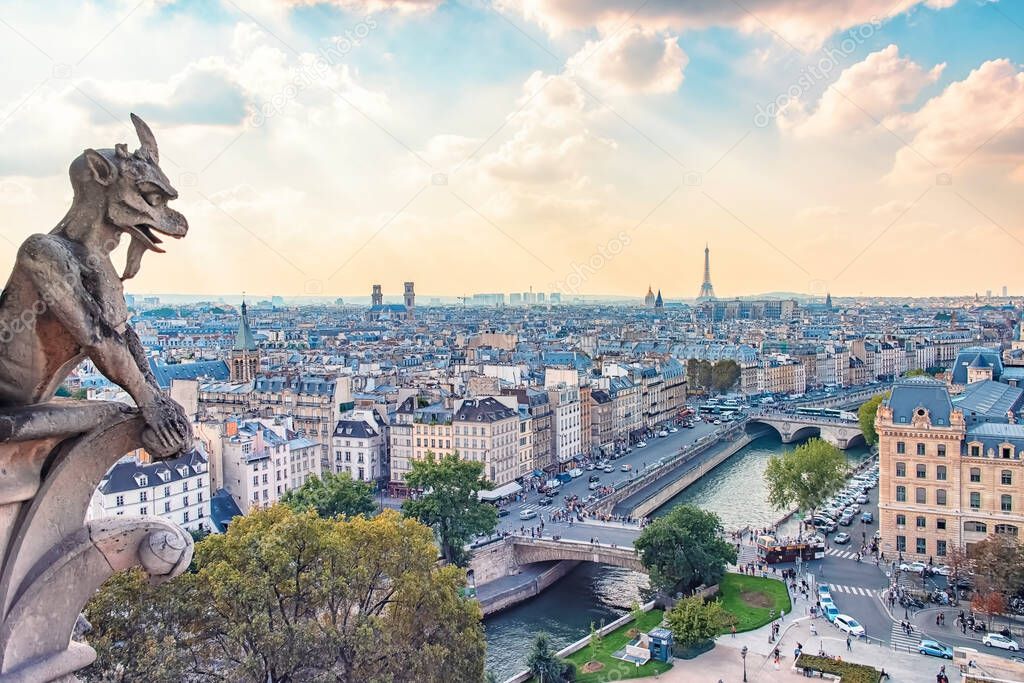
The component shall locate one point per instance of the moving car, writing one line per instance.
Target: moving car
(673, 430)
(527, 513)
(913, 567)
(848, 624)
(503, 512)
(867, 518)
(841, 538)
(935, 649)
(544, 501)
(846, 520)
(626, 467)
(641, 444)
(1000, 641)
(593, 477)
(594, 485)
(824, 591)
(943, 570)
(662, 433)
(608, 469)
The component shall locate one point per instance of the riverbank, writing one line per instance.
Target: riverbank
(495, 596)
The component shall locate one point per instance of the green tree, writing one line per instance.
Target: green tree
(449, 503)
(545, 665)
(694, 621)
(288, 596)
(332, 495)
(806, 475)
(693, 374)
(724, 375)
(998, 563)
(916, 372)
(63, 391)
(704, 374)
(684, 549)
(595, 640)
(866, 415)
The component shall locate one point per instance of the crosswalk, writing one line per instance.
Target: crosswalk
(901, 642)
(844, 554)
(852, 590)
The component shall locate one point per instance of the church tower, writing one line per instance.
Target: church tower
(410, 300)
(245, 355)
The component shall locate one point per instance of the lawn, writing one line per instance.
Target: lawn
(615, 669)
(752, 599)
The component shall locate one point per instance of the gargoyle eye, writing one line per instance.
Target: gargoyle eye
(154, 198)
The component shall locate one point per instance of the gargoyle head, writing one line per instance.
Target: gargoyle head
(132, 192)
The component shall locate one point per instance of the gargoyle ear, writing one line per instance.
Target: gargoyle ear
(102, 170)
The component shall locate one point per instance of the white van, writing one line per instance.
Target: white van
(575, 473)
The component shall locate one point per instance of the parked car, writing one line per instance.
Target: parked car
(842, 538)
(935, 649)
(942, 570)
(829, 611)
(862, 499)
(824, 590)
(641, 444)
(846, 520)
(1000, 641)
(626, 467)
(608, 469)
(913, 567)
(848, 624)
(673, 430)
(594, 485)
(867, 517)
(662, 434)
(590, 466)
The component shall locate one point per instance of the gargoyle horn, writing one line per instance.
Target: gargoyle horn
(147, 139)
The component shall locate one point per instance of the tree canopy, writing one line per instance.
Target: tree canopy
(719, 376)
(866, 415)
(332, 495)
(694, 621)
(288, 596)
(448, 502)
(545, 665)
(806, 475)
(684, 549)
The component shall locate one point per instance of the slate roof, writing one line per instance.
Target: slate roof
(989, 401)
(354, 429)
(223, 509)
(992, 434)
(976, 357)
(209, 369)
(122, 476)
(244, 341)
(920, 392)
(485, 409)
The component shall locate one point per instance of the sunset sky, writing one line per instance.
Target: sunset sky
(861, 147)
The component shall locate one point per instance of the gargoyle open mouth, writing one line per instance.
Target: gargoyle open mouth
(144, 233)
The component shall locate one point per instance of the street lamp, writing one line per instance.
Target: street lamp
(743, 656)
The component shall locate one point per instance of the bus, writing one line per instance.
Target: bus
(827, 412)
(771, 550)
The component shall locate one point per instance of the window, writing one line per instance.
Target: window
(922, 471)
(143, 510)
(901, 520)
(143, 496)
(940, 497)
(922, 546)
(1007, 529)
(975, 474)
(185, 516)
(1007, 452)
(901, 469)
(167, 506)
(901, 494)
(940, 472)
(119, 501)
(1006, 502)
(920, 449)
(901, 447)
(977, 527)
(940, 548)
(940, 524)
(941, 450)
(1006, 478)
(901, 543)
(975, 451)
(921, 495)
(921, 522)
(975, 500)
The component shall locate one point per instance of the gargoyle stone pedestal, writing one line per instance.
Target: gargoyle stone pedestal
(52, 457)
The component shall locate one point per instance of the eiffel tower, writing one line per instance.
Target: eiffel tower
(707, 292)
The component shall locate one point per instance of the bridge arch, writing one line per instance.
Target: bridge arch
(804, 433)
(755, 428)
(530, 550)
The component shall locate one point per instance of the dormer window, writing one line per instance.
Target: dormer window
(183, 470)
(165, 475)
(141, 480)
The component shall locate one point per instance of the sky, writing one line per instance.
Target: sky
(864, 147)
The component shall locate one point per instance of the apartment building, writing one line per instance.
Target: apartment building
(177, 490)
(951, 469)
(486, 430)
(359, 445)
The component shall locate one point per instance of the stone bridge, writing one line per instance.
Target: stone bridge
(529, 550)
(792, 427)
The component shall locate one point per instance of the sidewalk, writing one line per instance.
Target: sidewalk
(725, 662)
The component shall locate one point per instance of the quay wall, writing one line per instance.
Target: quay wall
(527, 590)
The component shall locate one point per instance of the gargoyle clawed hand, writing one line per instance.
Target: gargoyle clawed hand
(167, 430)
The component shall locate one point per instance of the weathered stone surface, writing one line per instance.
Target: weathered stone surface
(64, 302)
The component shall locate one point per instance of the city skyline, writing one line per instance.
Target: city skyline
(583, 149)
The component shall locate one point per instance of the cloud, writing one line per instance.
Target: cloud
(15, 193)
(632, 61)
(864, 94)
(891, 208)
(974, 121)
(805, 24)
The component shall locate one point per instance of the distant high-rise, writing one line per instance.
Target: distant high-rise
(707, 292)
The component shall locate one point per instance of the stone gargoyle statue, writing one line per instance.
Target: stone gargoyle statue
(64, 302)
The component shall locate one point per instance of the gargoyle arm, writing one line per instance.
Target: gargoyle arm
(57, 278)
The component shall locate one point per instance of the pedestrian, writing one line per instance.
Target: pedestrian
(733, 627)
(849, 644)
(814, 630)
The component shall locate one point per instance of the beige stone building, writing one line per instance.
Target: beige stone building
(951, 470)
(487, 430)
